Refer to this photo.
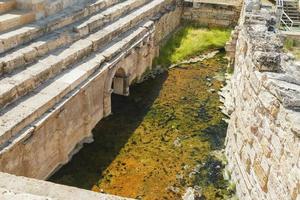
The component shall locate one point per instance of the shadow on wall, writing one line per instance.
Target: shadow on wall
(110, 135)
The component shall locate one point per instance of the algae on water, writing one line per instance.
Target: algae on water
(163, 138)
(292, 46)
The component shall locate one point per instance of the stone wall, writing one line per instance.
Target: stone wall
(263, 101)
(52, 139)
(212, 15)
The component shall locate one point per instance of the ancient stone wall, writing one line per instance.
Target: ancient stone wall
(263, 101)
(212, 15)
(53, 138)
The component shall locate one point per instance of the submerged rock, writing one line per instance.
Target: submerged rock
(173, 189)
(211, 90)
(189, 194)
(192, 193)
(177, 142)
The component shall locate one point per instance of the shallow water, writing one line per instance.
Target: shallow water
(160, 140)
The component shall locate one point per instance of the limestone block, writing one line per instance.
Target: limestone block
(262, 176)
(27, 18)
(288, 93)
(8, 92)
(29, 54)
(99, 38)
(267, 61)
(97, 22)
(83, 47)
(57, 41)
(7, 6)
(57, 90)
(41, 47)
(24, 82)
(74, 78)
(49, 66)
(10, 62)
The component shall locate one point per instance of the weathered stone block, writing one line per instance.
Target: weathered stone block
(267, 61)
(261, 175)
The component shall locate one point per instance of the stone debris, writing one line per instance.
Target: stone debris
(189, 194)
(192, 193)
(177, 142)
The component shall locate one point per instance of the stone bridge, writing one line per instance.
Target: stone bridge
(58, 75)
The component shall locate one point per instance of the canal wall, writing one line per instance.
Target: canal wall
(262, 99)
(212, 13)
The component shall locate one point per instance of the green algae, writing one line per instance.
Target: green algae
(191, 40)
(292, 46)
(160, 140)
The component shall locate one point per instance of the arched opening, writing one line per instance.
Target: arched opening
(120, 83)
(117, 83)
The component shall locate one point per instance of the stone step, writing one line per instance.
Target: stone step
(25, 34)
(7, 5)
(31, 52)
(28, 109)
(20, 83)
(98, 20)
(15, 19)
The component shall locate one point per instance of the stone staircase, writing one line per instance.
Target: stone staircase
(291, 8)
(7, 5)
(42, 62)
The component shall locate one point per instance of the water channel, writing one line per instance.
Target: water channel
(165, 137)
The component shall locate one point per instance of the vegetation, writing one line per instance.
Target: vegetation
(292, 46)
(189, 41)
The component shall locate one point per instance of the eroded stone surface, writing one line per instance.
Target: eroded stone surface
(262, 99)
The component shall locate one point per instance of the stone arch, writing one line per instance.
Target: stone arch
(117, 82)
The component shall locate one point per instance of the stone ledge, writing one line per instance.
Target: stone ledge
(16, 187)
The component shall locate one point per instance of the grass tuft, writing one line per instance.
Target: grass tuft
(292, 46)
(190, 41)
